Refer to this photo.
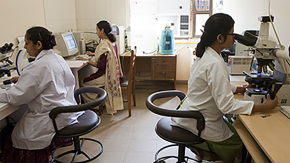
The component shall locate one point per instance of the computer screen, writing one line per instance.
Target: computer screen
(66, 44)
(70, 42)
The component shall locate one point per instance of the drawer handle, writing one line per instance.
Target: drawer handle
(164, 73)
(164, 66)
(164, 60)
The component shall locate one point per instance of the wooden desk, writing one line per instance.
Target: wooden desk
(270, 130)
(160, 66)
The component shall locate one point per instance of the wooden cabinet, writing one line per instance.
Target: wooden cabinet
(164, 67)
(161, 67)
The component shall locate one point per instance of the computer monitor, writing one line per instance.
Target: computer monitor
(66, 44)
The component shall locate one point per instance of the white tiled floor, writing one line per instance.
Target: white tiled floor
(132, 139)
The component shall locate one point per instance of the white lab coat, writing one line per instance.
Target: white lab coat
(43, 85)
(209, 91)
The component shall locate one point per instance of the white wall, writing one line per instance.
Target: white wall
(246, 13)
(16, 16)
(89, 12)
(63, 15)
(60, 15)
(19, 15)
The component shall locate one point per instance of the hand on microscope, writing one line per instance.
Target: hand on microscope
(242, 89)
(14, 79)
(269, 104)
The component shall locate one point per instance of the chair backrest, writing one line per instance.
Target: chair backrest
(132, 70)
(174, 112)
(80, 107)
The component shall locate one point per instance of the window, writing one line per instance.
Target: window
(201, 10)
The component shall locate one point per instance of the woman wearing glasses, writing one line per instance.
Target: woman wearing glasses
(209, 91)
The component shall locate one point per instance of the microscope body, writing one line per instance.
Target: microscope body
(5, 65)
(266, 52)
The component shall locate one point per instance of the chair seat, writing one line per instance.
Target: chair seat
(87, 122)
(175, 134)
(124, 83)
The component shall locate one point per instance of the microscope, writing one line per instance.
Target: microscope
(267, 54)
(5, 54)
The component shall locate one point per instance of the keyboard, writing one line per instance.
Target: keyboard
(83, 55)
(285, 110)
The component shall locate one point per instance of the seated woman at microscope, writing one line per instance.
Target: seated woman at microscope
(209, 91)
(109, 73)
(43, 85)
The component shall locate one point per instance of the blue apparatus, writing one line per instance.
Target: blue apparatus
(166, 45)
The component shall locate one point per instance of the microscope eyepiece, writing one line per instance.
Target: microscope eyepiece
(247, 39)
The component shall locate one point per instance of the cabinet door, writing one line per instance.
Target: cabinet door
(164, 67)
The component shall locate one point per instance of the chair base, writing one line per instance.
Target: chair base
(181, 158)
(77, 152)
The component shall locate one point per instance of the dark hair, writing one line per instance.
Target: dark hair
(217, 24)
(107, 29)
(43, 35)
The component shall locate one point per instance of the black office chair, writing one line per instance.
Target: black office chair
(87, 123)
(180, 137)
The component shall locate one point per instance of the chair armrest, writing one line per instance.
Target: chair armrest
(82, 107)
(76, 108)
(96, 90)
(174, 113)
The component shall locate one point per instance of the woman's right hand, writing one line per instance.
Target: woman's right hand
(90, 53)
(81, 58)
(271, 104)
(14, 79)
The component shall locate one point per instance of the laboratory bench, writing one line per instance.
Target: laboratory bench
(266, 135)
(160, 66)
(5, 108)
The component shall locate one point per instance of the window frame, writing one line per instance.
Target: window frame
(193, 14)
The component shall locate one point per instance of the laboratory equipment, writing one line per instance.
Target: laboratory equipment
(176, 14)
(66, 44)
(119, 32)
(266, 52)
(6, 63)
(80, 40)
(22, 60)
(238, 64)
(166, 45)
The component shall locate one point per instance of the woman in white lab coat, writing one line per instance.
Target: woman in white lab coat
(209, 91)
(109, 73)
(43, 85)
